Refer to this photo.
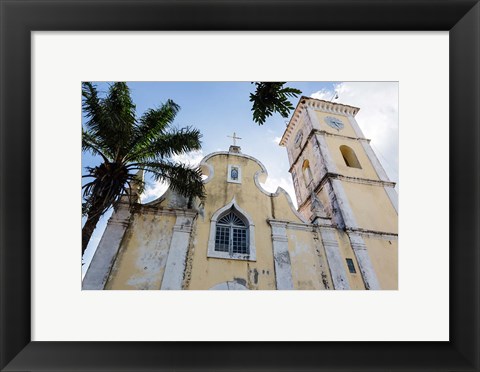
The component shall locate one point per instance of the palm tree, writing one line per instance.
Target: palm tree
(128, 145)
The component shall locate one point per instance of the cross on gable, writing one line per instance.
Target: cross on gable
(234, 138)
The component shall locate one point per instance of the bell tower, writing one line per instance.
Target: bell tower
(336, 175)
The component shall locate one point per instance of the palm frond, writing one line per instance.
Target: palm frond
(91, 144)
(183, 179)
(111, 119)
(153, 123)
(175, 142)
(92, 107)
(121, 117)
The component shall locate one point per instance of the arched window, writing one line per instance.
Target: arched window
(307, 173)
(350, 157)
(231, 234)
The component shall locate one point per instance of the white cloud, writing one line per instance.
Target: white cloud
(324, 94)
(153, 191)
(378, 116)
(192, 158)
(276, 140)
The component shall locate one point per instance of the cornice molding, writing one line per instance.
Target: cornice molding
(364, 181)
(318, 105)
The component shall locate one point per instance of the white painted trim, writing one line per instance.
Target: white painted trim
(256, 178)
(325, 154)
(99, 270)
(229, 170)
(211, 171)
(382, 175)
(334, 258)
(276, 194)
(343, 204)
(252, 256)
(357, 243)
(177, 254)
(211, 155)
(354, 125)
(368, 150)
(364, 263)
(393, 196)
(281, 256)
(294, 225)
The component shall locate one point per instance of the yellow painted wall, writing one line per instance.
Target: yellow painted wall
(282, 210)
(305, 261)
(371, 207)
(208, 272)
(384, 256)
(367, 170)
(355, 280)
(140, 263)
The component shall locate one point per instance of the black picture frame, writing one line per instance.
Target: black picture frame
(19, 17)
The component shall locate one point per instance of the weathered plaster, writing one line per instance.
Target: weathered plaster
(323, 267)
(283, 269)
(140, 262)
(176, 261)
(335, 259)
(364, 262)
(107, 250)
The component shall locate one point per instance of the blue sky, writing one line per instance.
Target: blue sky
(218, 109)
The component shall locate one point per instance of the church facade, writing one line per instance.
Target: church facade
(344, 234)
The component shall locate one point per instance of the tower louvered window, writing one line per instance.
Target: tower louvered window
(231, 234)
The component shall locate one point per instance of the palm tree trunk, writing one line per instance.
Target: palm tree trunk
(88, 229)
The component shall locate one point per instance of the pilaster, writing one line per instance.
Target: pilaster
(177, 254)
(366, 268)
(107, 250)
(281, 257)
(334, 258)
(356, 241)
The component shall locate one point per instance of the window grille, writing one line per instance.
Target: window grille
(231, 234)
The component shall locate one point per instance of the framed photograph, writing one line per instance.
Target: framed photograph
(49, 323)
(272, 220)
